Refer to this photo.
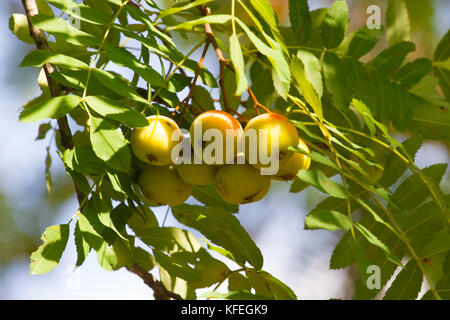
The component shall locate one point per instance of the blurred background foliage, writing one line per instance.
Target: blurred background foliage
(25, 206)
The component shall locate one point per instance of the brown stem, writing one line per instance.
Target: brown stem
(40, 41)
(256, 103)
(186, 100)
(159, 291)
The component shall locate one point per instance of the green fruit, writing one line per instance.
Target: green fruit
(153, 144)
(263, 126)
(288, 169)
(163, 185)
(241, 183)
(198, 174)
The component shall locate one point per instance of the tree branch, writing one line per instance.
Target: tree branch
(30, 7)
(159, 291)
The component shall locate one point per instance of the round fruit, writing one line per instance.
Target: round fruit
(163, 185)
(260, 129)
(206, 147)
(288, 169)
(153, 144)
(241, 183)
(200, 174)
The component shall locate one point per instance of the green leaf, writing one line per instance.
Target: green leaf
(312, 70)
(54, 108)
(413, 191)
(116, 111)
(43, 129)
(143, 259)
(169, 239)
(307, 89)
(397, 22)
(371, 238)
(335, 24)
(367, 115)
(47, 256)
(223, 229)
(238, 63)
(109, 144)
(264, 8)
(395, 167)
(267, 285)
(175, 9)
(216, 18)
(363, 42)
(275, 56)
(83, 159)
(432, 121)
(413, 72)
(82, 246)
(107, 257)
(202, 98)
(116, 84)
(390, 59)
(60, 28)
(237, 281)
(18, 24)
(442, 51)
(300, 20)
(208, 195)
(407, 284)
(336, 80)
(80, 11)
(122, 57)
(327, 219)
(317, 179)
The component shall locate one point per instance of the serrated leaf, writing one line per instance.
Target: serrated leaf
(371, 238)
(397, 22)
(407, 284)
(327, 219)
(275, 56)
(80, 11)
(317, 179)
(62, 29)
(267, 285)
(391, 59)
(177, 8)
(208, 195)
(116, 111)
(307, 89)
(37, 58)
(107, 258)
(336, 80)
(83, 159)
(413, 72)
(300, 20)
(223, 229)
(335, 24)
(51, 108)
(109, 144)
(238, 63)
(413, 191)
(216, 18)
(367, 115)
(116, 84)
(395, 167)
(363, 42)
(47, 256)
(312, 70)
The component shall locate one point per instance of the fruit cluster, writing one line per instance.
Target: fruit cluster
(238, 182)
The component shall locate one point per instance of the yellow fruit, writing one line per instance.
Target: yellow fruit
(288, 170)
(259, 130)
(224, 124)
(241, 183)
(199, 174)
(163, 185)
(153, 144)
